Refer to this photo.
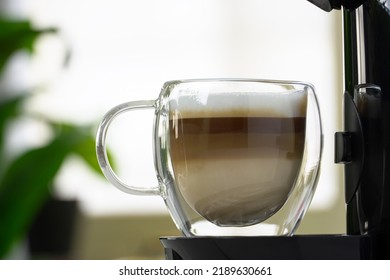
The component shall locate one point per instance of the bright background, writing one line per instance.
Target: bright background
(124, 50)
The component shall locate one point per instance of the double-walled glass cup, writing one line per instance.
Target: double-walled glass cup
(232, 157)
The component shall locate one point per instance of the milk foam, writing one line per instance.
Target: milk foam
(244, 104)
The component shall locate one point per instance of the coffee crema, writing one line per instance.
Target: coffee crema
(237, 166)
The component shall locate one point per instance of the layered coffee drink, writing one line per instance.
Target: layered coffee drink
(235, 157)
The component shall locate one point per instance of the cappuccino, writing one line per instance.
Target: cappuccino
(235, 157)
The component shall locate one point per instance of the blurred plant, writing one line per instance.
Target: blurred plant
(26, 179)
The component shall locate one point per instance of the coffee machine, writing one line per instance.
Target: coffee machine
(363, 147)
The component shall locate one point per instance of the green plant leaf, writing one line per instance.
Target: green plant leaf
(8, 109)
(84, 144)
(86, 150)
(26, 183)
(17, 35)
(24, 188)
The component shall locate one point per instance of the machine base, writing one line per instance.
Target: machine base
(299, 247)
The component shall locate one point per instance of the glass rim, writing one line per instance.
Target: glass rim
(239, 80)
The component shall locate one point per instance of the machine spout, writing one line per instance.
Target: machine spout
(328, 5)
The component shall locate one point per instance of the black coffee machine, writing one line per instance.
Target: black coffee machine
(363, 147)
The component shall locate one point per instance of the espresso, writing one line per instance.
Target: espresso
(232, 169)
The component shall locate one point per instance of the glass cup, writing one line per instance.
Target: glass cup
(233, 157)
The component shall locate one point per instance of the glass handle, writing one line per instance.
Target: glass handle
(101, 149)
